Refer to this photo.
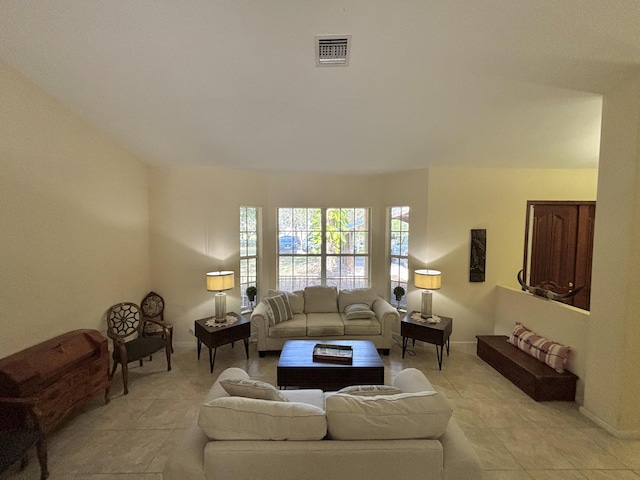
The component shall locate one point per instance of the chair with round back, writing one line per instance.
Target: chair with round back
(125, 326)
(152, 308)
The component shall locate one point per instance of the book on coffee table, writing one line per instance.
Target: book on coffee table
(333, 353)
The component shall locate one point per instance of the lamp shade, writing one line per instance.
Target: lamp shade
(220, 281)
(428, 279)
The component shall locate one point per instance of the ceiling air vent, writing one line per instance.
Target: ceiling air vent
(332, 50)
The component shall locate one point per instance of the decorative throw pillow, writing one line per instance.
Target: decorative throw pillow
(370, 390)
(296, 299)
(358, 310)
(553, 354)
(242, 387)
(356, 295)
(320, 299)
(278, 309)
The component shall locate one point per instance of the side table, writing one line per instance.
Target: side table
(216, 336)
(435, 333)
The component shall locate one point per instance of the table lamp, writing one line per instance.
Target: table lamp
(427, 280)
(219, 282)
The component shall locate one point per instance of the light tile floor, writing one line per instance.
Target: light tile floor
(515, 437)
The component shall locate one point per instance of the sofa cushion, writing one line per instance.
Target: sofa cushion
(370, 390)
(296, 299)
(278, 309)
(356, 295)
(312, 396)
(242, 387)
(358, 310)
(324, 324)
(240, 418)
(553, 354)
(296, 327)
(320, 299)
(387, 417)
(361, 326)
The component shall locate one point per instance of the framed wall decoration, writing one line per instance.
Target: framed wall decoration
(478, 257)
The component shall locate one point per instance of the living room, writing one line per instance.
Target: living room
(98, 224)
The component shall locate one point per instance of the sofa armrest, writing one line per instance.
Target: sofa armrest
(386, 314)
(187, 459)
(260, 320)
(412, 380)
(461, 461)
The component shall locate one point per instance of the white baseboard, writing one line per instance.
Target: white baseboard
(626, 434)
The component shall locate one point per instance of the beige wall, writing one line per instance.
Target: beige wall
(194, 224)
(461, 199)
(73, 210)
(612, 386)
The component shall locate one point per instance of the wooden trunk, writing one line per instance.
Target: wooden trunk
(63, 373)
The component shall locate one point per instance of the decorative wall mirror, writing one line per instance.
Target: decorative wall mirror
(558, 248)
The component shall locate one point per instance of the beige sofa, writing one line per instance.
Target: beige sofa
(321, 312)
(406, 432)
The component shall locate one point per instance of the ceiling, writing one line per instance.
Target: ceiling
(499, 83)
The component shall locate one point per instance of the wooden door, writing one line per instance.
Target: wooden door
(561, 246)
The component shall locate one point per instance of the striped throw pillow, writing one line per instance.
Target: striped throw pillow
(278, 309)
(553, 354)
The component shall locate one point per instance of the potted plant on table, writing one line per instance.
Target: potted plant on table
(399, 293)
(251, 292)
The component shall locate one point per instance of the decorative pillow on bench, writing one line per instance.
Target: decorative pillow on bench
(553, 354)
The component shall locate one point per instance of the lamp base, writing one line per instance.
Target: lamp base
(221, 307)
(425, 305)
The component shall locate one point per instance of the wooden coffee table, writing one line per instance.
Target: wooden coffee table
(296, 367)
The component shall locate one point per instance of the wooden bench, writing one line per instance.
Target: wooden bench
(533, 377)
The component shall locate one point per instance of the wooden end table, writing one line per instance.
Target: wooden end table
(216, 336)
(435, 333)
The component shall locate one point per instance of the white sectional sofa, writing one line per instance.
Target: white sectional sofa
(404, 431)
(324, 313)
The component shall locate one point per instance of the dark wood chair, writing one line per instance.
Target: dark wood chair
(16, 441)
(125, 326)
(152, 308)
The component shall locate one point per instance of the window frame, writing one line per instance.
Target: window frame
(248, 273)
(336, 245)
(398, 256)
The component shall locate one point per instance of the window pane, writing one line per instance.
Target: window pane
(329, 240)
(248, 253)
(399, 253)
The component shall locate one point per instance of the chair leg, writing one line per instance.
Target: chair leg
(41, 448)
(168, 351)
(140, 362)
(125, 377)
(113, 370)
